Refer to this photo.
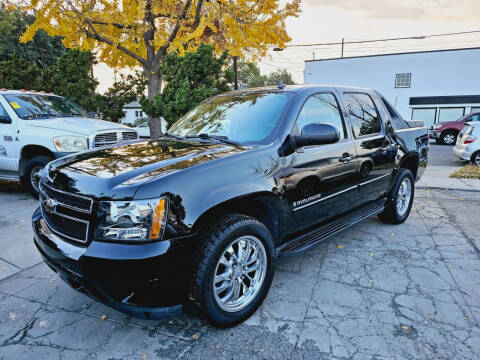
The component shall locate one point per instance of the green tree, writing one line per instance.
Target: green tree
(189, 80)
(43, 50)
(281, 74)
(18, 73)
(72, 77)
(249, 75)
(122, 92)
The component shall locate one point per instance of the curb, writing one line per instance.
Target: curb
(445, 188)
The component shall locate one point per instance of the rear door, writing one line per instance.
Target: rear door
(374, 148)
(8, 140)
(320, 179)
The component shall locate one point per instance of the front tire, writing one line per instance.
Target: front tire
(449, 138)
(233, 270)
(400, 200)
(30, 177)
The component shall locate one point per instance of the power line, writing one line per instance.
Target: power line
(418, 37)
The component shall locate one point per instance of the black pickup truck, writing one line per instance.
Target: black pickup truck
(200, 215)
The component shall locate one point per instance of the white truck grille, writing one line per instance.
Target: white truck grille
(110, 138)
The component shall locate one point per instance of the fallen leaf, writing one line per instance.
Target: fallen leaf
(405, 327)
(370, 281)
(371, 254)
(339, 246)
(355, 250)
(104, 317)
(195, 336)
(143, 357)
(466, 318)
(462, 198)
(43, 323)
(53, 279)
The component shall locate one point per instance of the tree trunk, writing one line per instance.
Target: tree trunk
(153, 87)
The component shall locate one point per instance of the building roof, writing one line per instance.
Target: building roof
(390, 54)
(133, 105)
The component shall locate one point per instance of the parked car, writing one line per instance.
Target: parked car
(200, 215)
(446, 132)
(36, 128)
(468, 145)
(143, 129)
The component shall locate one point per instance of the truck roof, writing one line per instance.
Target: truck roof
(297, 88)
(21, 91)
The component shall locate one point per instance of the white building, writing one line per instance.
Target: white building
(431, 86)
(132, 111)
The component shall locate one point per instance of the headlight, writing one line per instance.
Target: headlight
(436, 127)
(70, 143)
(136, 220)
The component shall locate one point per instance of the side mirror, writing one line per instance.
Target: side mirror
(316, 134)
(5, 119)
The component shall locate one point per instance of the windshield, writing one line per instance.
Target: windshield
(35, 106)
(246, 118)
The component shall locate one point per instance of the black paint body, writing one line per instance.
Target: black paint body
(291, 190)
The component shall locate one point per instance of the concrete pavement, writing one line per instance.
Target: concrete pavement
(375, 291)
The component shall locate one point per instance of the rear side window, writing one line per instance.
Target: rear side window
(476, 130)
(363, 114)
(321, 108)
(2, 111)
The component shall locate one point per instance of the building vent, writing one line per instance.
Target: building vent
(403, 80)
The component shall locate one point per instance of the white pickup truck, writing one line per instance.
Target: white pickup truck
(36, 128)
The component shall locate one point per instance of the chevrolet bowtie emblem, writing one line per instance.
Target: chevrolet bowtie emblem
(50, 204)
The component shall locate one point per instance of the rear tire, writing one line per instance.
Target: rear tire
(449, 138)
(475, 159)
(400, 200)
(32, 167)
(226, 292)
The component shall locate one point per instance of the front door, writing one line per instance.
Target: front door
(8, 144)
(320, 179)
(375, 150)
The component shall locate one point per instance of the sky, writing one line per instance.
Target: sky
(329, 21)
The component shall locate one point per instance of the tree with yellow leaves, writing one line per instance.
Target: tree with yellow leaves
(129, 33)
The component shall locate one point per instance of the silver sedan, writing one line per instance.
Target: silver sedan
(468, 143)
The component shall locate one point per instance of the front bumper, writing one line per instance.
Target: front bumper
(434, 134)
(145, 280)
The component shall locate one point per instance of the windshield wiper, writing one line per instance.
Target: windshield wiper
(34, 116)
(173, 136)
(223, 139)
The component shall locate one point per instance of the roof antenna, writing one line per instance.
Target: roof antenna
(281, 85)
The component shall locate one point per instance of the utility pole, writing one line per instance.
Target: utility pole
(313, 56)
(343, 44)
(235, 70)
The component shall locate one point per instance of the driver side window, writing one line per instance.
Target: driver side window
(321, 108)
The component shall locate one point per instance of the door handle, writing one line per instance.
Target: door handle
(346, 158)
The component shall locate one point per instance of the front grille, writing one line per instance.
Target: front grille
(66, 214)
(129, 135)
(105, 139)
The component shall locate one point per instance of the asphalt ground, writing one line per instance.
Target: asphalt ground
(375, 291)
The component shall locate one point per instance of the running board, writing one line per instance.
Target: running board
(9, 176)
(312, 238)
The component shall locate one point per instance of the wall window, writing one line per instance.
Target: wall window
(427, 115)
(403, 80)
(321, 108)
(363, 114)
(475, 110)
(450, 114)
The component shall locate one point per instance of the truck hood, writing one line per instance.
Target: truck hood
(78, 125)
(116, 172)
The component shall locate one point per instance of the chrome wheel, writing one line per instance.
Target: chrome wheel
(240, 273)
(449, 139)
(404, 195)
(34, 179)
